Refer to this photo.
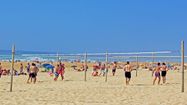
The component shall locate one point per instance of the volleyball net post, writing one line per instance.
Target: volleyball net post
(182, 64)
(12, 68)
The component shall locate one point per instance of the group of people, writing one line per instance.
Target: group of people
(32, 70)
(82, 68)
(4, 71)
(159, 71)
(101, 69)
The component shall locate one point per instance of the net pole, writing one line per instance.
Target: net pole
(12, 68)
(106, 72)
(182, 64)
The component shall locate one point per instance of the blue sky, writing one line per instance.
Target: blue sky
(93, 25)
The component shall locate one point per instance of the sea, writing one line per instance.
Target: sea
(27, 56)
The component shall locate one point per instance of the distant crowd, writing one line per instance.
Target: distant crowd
(99, 69)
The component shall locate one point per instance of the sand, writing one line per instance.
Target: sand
(75, 91)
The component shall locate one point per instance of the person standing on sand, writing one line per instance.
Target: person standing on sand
(33, 73)
(28, 68)
(61, 70)
(128, 70)
(57, 68)
(164, 70)
(21, 69)
(157, 74)
(1, 70)
(29, 73)
(114, 67)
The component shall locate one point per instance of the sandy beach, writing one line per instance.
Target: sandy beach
(58, 52)
(75, 91)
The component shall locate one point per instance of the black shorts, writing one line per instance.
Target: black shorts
(128, 75)
(113, 70)
(33, 75)
(163, 73)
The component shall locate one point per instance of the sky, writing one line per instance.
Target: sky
(73, 26)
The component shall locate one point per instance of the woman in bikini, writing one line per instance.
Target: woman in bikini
(157, 74)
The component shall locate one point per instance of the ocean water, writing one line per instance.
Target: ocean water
(44, 56)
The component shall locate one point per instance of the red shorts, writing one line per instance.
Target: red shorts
(61, 72)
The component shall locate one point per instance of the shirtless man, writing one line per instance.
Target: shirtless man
(157, 74)
(57, 68)
(114, 67)
(128, 70)
(33, 73)
(164, 70)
